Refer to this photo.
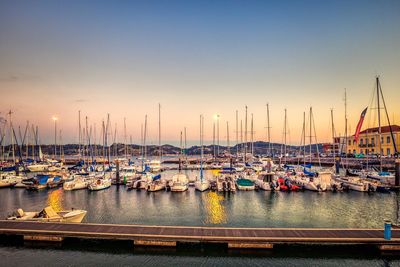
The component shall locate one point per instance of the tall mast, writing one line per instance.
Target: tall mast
(333, 135)
(241, 138)
(218, 135)
(304, 138)
(379, 124)
(245, 136)
(12, 137)
(285, 132)
(106, 135)
(201, 148)
(252, 137)
(268, 132)
(79, 133)
(180, 154)
(185, 146)
(159, 132)
(145, 136)
(125, 138)
(227, 137)
(237, 136)
(310, 134)
(141, 140)
(345, 125)
(387, 116)
(103, 132)
(87, 140)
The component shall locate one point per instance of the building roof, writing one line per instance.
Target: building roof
(384, 129)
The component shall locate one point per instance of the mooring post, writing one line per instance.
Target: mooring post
(397, 167)
(388, 230)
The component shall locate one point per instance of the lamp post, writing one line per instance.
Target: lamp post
(55, 136)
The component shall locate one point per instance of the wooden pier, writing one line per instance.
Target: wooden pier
(171, 235)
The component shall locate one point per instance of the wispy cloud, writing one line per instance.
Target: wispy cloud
(8, 78)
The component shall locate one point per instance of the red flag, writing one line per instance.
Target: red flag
(359, 125)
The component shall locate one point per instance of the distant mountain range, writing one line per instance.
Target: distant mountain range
(260, 148)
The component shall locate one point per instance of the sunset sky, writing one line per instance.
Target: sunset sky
(196, 57)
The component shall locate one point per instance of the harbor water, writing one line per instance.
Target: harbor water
(117, 205)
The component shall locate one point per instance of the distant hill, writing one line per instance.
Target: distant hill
(260, 148)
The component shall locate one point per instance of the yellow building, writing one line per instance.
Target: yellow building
(368, 141)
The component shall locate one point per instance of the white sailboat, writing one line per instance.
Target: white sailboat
(201, 184)
(180, 181)
(157, 184)
(266, 181)
(100, 183)
(77, 182)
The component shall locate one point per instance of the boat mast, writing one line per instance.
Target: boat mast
(227, 138)
(268, 132)
(285, 132)
(185, 147)
(217, 135)
(245, 137)
(252, 138)
(201, 148)
(103, 131)
(241, 136)
(310, 134)
(333, 136)
(106, 134)
(345, 125)
(180, 154)
(87, 141)
(79, 133)
(145, 136)
(12, 137)
(125, 152)
(237, 136)
(379, 124)
(304, 138)
(387, 116)
(159, 132)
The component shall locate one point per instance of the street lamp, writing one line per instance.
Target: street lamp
(55, 136)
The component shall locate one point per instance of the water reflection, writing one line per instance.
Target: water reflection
(55, 199)
(215, 211)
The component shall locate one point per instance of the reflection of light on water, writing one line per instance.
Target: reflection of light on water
(54, 199)
(215, 172)
(215, 211)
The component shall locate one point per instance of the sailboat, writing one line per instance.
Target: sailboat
(201, 184)
(180, 181)
(100, 183)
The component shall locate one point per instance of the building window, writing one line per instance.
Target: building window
(361, 141)
(367, 151)
(349, 142)
(388, 152)
(354, 151)
(373, 141)
(381, 139)
(366, 141)
(361, 151)
(372, 150)
(388, 139)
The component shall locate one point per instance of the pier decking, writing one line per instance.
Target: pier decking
(170, 235)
